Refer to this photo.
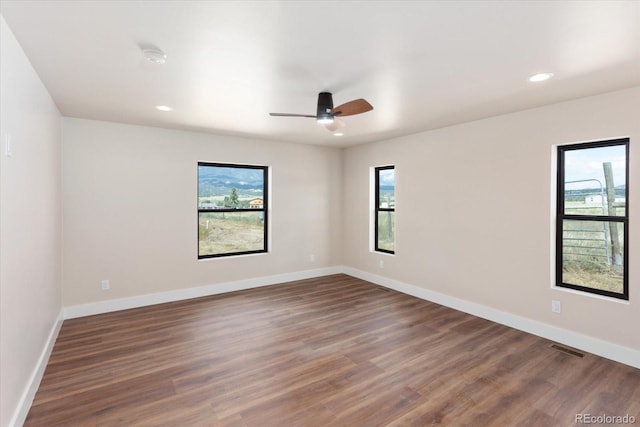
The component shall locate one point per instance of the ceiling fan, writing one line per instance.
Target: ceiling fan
(328, 115)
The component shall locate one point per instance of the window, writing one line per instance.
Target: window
(385, 202)
(593, 217)
(232, 209)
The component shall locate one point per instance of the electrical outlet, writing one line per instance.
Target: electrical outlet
(556, 307)
(381, 264)
(312, 258)
(105, 285)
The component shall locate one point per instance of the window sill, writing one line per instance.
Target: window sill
(590, 295)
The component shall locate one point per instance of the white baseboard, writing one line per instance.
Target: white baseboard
(196, 292)
(592, 345)
(26, 399)
(589, 344)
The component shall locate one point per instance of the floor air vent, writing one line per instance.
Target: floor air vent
(567, 350)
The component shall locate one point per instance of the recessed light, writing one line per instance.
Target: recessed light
(540, 77)
(163, 108)
(338, 134)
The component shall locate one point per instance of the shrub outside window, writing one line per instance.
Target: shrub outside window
(232, 209)
(593, 217)
(385, 202)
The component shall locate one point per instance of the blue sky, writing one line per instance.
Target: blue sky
(587, 164)
(387, 177)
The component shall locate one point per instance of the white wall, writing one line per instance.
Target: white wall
(474, 212)
(130, 198)
(30, 228)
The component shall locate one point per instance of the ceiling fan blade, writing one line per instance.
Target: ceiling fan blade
(335, 125)
(291, 115)
(357, 106)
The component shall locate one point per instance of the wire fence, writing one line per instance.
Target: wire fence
(589, 241)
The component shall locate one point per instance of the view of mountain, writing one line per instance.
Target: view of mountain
(218, 181)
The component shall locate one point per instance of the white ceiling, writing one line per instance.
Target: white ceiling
(422, 65)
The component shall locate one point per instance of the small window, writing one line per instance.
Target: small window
(593, 218)
(385, 206)
(232, 209)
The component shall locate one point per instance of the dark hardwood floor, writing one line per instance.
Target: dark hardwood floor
(331, 351)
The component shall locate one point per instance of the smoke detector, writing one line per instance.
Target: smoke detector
(155, 55)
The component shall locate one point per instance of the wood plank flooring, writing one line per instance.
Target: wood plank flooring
(331, 351)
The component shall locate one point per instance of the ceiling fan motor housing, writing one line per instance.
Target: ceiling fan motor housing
(325, 105)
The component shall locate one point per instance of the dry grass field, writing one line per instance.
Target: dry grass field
(230, 232)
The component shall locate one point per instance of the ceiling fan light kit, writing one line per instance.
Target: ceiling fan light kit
(337, 124)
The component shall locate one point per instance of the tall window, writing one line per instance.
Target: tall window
(232, 209)
(385, 204)
(593, 217)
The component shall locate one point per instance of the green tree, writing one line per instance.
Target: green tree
(233, 198)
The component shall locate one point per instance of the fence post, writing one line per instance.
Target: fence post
(616, 255)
